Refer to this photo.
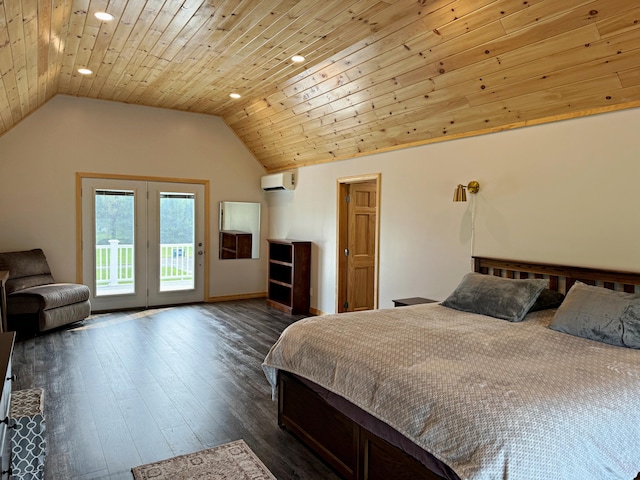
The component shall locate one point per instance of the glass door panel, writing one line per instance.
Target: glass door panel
(115, 233)
(177, 241)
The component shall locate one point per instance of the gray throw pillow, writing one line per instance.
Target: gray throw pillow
(497, 297)
(600, 314)
(546, 300)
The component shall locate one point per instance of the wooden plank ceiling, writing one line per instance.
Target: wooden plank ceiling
(378, 74)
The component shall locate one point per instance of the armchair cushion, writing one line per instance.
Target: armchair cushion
(46, 297)
(26, 269)
(23, 283)
(34, 300)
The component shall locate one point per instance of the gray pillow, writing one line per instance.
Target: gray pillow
(495, 296)
(546, 300)
(600, 314)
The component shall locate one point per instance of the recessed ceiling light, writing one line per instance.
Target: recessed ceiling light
(85, 71)
(104, 16)
(297, 58)
(235, 95)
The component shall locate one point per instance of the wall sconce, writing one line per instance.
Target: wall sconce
(460, 195)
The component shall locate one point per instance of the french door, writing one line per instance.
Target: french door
(142, 242)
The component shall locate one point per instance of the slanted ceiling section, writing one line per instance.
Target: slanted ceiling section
(378, 74)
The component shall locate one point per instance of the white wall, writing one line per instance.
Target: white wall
(565, 192)
(40, 157)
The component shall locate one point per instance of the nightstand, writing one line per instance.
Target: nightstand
(404, 302)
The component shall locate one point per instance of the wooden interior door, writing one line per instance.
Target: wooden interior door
(361, 258)
(357, 240)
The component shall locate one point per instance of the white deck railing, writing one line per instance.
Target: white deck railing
(114, 264)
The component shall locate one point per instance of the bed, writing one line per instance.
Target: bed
(445, 392)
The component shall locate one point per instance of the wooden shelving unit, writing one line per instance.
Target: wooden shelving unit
(289, 275)
(235, 244)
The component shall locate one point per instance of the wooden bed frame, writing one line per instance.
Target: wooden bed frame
(356, 453)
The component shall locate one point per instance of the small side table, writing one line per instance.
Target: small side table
(4, 276)
(405, 302)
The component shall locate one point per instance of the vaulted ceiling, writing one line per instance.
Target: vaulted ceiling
(377, 75)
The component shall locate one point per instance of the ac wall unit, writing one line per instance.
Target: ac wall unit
(278, 181)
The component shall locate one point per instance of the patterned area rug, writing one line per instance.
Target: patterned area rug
(231, 461)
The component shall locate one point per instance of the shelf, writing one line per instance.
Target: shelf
(279, 262)
(235, 244)
(280, 294)
(279, 252)
(289, 275)
(281, 273)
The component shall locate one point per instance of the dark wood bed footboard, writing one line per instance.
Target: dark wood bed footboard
(353, 451)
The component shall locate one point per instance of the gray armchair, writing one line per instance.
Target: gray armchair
(35, 303)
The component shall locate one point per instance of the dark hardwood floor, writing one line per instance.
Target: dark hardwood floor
(128, 388)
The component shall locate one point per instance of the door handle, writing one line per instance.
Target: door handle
(200, 252)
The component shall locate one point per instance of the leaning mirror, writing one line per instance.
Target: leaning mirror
(239, 230)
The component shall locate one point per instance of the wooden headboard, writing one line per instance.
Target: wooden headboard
(561, 277)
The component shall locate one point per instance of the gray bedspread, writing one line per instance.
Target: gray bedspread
(490, 398)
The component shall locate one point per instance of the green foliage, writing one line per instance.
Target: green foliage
(115, 218)
(176, 220)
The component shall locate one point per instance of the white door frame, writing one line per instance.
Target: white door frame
(82, 256)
